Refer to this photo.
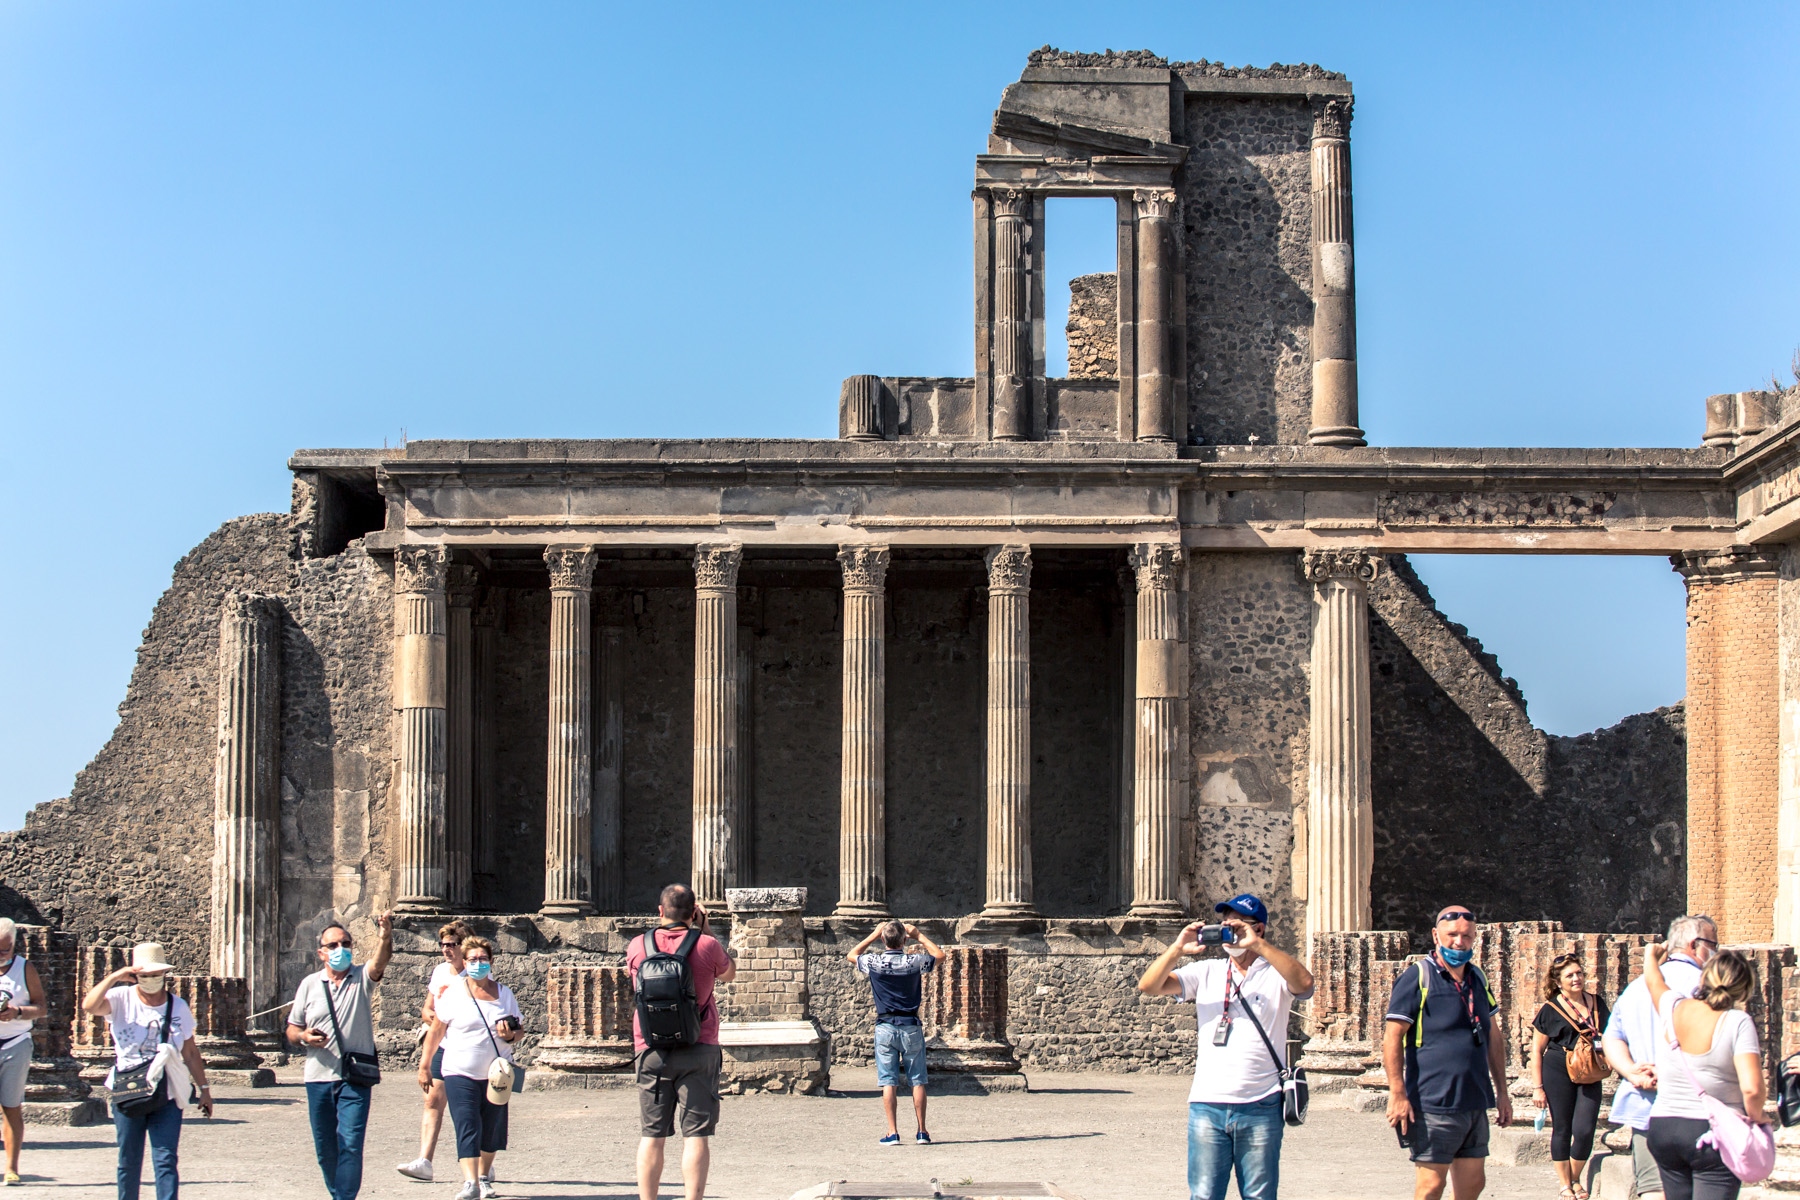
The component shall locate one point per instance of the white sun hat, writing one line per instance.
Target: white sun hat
(147, 958)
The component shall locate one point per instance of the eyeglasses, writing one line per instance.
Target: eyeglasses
(448, 945)
(1708, 941)
(344, 945)
(1455, 914)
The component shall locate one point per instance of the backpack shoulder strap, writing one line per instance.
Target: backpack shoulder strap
(1486, 987)
(687, 944)
(1417, 1032)
(168, 1015)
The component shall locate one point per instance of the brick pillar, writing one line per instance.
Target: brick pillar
(770, 1039)
(589, 1021)
(221, 1032)
(55, 1092)
(1733, 741)
(91, 1042)
(965, 1013)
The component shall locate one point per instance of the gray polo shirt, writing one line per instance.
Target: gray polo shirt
(351, 1000)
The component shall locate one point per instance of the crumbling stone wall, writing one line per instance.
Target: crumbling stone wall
(1093, 328)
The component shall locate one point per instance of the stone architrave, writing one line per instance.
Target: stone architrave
(421, 626)
(589, 1028)
(1155, 311)
(770, 1040)
(716, 774)
(964, 1013)
(1160, 684)
(1340, 820)
(609, 765)
(569, 778)
(1743, 811)
(862, 831)
(221, 1033)
(1012, 318)
(1334, 403)
(459, 745)
(55, 1092)
(247, 794)
(1009, 893)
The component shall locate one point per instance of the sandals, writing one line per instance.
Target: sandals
(1581, 1193)
(1568, 1193)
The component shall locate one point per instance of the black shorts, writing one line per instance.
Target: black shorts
(437, 1065)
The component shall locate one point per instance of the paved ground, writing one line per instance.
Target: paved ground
(1098, 1136)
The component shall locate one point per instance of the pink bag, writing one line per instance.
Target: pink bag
(1747, 1148)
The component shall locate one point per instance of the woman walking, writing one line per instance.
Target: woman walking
(155, 1067)
(1714, 1045)
(474, 1025)
(1566, 1034)
(444, 976)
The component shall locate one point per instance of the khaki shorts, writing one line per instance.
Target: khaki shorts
(684, 1081)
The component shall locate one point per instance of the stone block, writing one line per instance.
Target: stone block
(784, 1057)
(1518, 1147)
(86, 1111)
(766, 900)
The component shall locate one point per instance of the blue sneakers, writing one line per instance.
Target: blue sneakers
(923, 1138)
(892, 1139)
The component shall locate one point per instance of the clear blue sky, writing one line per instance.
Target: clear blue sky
(227, 231)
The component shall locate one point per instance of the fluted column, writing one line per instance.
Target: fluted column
(1009, 733)
(420, 625)
(1155, 306)
(743, 814)
(569, 780)
(1012, 318)
(247, 795)
(609, 763)
(862, 828)
(1340, 821)
(715, 720)
(485, 823)
(1334, 282)
(459, 747)
(1157, 779)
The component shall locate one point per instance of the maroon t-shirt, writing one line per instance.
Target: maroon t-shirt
(707, 962)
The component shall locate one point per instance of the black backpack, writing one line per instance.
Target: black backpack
(668, 1016)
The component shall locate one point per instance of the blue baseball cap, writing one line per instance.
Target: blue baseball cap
(1246, 906)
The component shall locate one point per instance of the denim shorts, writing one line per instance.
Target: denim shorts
(899, 1055)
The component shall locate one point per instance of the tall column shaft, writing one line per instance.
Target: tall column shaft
(459, 748)
(609, 777)
(569, 778)
(1340, 821)
(420, 631)
(1009, 733)
(1155, 304)
(485, 774)
(743, 814)
(1334, 402)
(1157, 782)
(862, 828)
(247, 795)
(715, 720)
(1012, 320)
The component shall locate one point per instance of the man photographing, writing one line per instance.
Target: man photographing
(895, 979)
(1235, 1105)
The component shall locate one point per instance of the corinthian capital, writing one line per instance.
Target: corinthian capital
(421, 568)
(1157, 565)
(716, 567)
(1322, 566)
(462, 583)
(1157, 205)
(571, 567)
(865, 567)
(1009, 569)
(1332, 119)
(1007, 202)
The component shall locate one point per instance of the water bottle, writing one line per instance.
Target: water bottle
(1543, 1115)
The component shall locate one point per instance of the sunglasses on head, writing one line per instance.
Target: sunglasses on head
(1455, 914)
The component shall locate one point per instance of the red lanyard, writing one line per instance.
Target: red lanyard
(1465, 989)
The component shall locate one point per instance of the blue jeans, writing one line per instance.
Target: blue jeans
(339, 1112)
(1245, 1135)
(164, 1130)
(899, 1055)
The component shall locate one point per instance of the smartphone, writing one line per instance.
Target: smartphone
(1404, 1137)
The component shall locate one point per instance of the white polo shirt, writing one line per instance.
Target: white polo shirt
(1241, 1071)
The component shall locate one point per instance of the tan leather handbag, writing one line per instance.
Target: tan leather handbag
(1585, 1063)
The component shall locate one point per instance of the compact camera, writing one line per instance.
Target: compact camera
(1217, 935)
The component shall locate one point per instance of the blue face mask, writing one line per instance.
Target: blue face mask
(339, 958)
(481, 968)
(1454, 958)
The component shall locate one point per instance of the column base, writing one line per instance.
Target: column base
(419, 906)
(1336, 435)
(566, 910)
(869, 909)
(1156, 910)
(1006, 910)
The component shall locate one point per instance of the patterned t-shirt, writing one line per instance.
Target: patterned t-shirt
(896, 980)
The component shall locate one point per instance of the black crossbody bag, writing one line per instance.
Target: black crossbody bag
(131, 1090)
(1295, 1095)
(360, 1070)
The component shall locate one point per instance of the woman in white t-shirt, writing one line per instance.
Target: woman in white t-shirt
(1714, 1043)
(443, 976)
(474, 1024)
(136, 1003)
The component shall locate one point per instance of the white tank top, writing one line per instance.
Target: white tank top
(13, 991)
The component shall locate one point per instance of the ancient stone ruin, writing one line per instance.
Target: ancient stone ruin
(1044, 664)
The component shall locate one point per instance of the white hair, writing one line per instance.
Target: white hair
(1683, 930)
(8, 929)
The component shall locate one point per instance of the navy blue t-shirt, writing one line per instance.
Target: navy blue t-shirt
(1449, 1072)
(895, 978)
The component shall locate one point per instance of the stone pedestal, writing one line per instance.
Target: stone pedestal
(568, 774)
(862, 834)
(716, 776)
(589, 1029)
(421, 624)
(1009, 892)
(966, 1048)
(770, 1040)
(55, 1092)
(220, 1029)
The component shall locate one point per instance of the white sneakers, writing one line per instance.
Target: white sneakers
(487, 1189)
(418, 1168)
(470, 1191)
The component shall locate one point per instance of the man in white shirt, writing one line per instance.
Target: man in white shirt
(1631, 1033)
(1234, 1107)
